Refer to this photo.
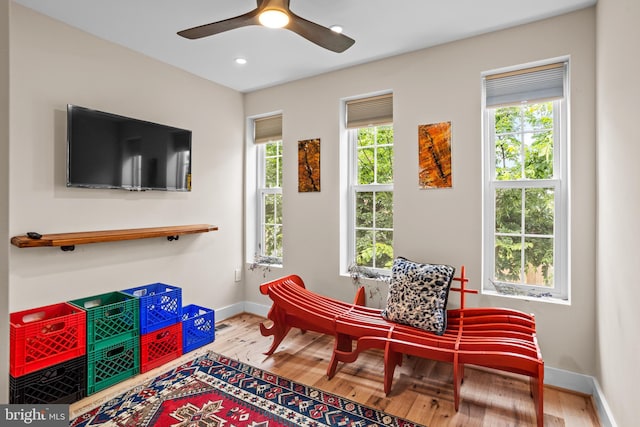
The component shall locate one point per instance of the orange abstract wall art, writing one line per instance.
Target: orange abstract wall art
(434, 155)
(309, 165)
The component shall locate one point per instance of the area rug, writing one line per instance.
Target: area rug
(213, 390)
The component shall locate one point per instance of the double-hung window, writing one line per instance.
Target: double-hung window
(268, 137)
(525, 232)
(370, 187)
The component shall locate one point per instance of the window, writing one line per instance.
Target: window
(370, 213)
(526, 186)
(268, 137)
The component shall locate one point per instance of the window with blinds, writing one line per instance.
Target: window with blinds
(369, 123)
(372, 111)
(268, 137)
(525, 198)
(267, 129)
(535, 84)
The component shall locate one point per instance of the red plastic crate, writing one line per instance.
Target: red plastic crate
(160, 347)
(45, 336)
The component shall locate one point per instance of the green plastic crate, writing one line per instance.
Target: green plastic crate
(111, 318)
(112, 364)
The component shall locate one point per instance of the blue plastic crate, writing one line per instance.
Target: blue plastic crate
(160, 305)
(198, 327)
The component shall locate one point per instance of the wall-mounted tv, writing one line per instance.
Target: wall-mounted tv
(106, 150)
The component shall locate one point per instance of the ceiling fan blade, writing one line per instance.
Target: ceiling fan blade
(322, 36)
(250, 18)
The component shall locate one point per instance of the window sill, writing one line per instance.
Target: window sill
(255, 265)
(365, 279)
(266, 264)
(545, 299)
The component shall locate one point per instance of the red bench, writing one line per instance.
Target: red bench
(495, 338)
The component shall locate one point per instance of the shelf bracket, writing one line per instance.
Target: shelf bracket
(68, 248)
(172, 238)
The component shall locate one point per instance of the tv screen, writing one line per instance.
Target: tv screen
(105, 150)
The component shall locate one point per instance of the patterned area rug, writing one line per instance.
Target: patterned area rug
(213, 390)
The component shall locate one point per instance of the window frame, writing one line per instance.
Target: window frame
(353, 189)
(559, 182)
(261, 191)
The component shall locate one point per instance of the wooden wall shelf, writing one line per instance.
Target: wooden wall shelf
(67, 241)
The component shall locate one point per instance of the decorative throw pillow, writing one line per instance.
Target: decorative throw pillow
(418, 295)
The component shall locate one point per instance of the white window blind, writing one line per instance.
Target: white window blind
(268, 129)
(372, 111)
(543, 83)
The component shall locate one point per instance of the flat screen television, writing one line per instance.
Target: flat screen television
(106, 150)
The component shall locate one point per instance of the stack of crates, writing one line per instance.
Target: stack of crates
(113, 331)
(198, 327)
(160, 323)
(47, 355)
(64, 352)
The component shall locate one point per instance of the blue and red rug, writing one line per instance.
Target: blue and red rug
(213, 390)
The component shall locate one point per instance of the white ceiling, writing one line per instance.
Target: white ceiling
(381, 28)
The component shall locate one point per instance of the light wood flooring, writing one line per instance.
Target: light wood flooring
(422, 389)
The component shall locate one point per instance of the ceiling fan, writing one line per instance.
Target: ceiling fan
(275, 14)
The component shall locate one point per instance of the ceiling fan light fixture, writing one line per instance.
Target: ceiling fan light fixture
(274, 18)
(276, 14)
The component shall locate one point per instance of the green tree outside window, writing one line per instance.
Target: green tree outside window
(374, 207)
(524, 214)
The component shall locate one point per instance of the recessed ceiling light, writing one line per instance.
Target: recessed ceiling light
(336, 28)
(240, 61)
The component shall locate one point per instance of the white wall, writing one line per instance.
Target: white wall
(433, 85)
(52, 65)
(618, 347)
(4, 195)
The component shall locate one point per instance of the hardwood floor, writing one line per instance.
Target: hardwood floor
(422, 389)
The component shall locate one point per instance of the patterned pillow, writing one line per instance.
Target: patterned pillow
(418, 295)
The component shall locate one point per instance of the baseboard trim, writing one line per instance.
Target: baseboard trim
(242, 307)
(257, 309)
(604, 411)
(569, 380)
(229, 311)
(583, 384)
(555, 377)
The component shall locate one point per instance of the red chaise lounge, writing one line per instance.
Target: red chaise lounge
(495, 338)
